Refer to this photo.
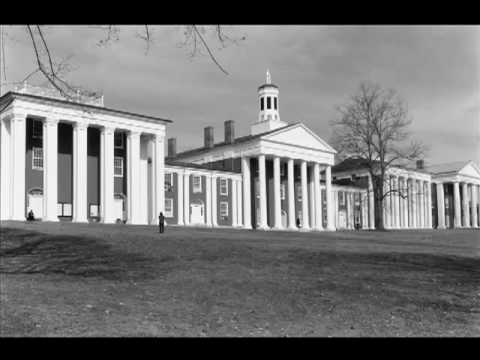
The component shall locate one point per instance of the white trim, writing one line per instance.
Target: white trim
(38, 158)
(225, 181)
(224, 203)
(169, 214)
(169, 174)
(196, 188)
(115, 167)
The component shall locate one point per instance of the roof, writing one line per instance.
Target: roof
(455, 166)
(12, 95)
(236, 141)
(173, 162)
(267, 85)
(352, 164)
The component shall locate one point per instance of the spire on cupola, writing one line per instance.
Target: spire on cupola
(269, 115)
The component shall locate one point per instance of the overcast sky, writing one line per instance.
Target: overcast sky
(435, 69)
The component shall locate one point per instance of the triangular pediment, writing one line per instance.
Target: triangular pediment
(299, 135)
(470, 169)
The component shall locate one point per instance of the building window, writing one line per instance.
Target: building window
(341, 198)
(299, 193)
(118, 139)
(37, 129)
(282, 191)
(168, 181)
(197, 183)
(118, 166)
(262, 104)
(269, 102)
(94, 210)
(224, 208)
(64, 209)
(37, 158)
(223, 187)
(275, 103)
(168, 207)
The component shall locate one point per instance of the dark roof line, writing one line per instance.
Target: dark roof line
(94, 107)
(238, 140)
(173, 162)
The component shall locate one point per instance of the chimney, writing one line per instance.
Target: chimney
(229, 131)
(420, 164)
(172, 147)
(208, 137)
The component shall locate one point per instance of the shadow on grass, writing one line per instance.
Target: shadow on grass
(30, 252)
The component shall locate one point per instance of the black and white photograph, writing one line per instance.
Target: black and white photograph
(239, 181)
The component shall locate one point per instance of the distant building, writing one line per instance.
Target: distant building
(77, 160)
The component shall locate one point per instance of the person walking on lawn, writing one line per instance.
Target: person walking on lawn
(161, 223)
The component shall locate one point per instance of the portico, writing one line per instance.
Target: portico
(457, 190)
(143, 166)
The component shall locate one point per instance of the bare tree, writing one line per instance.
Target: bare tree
(373, 126)
(54, 70)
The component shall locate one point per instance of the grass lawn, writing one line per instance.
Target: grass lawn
(63, 279)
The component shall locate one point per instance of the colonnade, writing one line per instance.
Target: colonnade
(407, 203)
(465, 204)
(13, 153)
(311, 215)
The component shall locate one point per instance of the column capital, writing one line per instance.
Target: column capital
(80, 125)
(107, 129)
(134, 133)
(51, 121)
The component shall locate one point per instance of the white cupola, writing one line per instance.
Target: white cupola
(269, 115)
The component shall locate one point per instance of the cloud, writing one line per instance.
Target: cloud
(434, 68)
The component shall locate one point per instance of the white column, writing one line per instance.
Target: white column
(291, 196)
(50, 169)
(158, 171)
(396, 203)
(80, 172)
(247, 201)
(421, 201)
(466, 210)
(17, 166)
(239, 203)
(387, 207)
(328, 192)
(186, 198)
(371, 204)
(263, 192)
(428, 201)
(364, 207)
(405, 203)
(456, 201)
(180, 189)
(106, 174)
(5, 171)
(208, 200)
(214, 200)
(133, 179)
(318, 197)
(303, 171)
(440, 206)
(348, 202)
(233, 183)
(311, 198)
(276, 193)
(413, 202)
(474, 205)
